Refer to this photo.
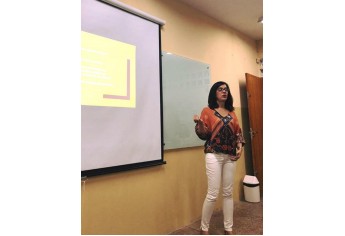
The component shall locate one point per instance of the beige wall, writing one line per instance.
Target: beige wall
(260, 48)
(158, 200)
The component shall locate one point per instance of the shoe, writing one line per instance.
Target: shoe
(228, 232)
(203, 232)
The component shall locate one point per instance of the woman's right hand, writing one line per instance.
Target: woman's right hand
(200, 123)
(196, 118)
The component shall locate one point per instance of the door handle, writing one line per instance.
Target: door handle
(252, 133)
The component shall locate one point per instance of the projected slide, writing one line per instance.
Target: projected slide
(107, 72)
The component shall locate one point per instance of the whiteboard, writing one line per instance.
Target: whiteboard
(186, 85)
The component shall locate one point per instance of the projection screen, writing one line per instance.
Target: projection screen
(121, 92)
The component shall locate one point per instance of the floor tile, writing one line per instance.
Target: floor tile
(248, 220)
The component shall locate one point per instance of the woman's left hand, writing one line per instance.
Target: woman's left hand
(239, 149)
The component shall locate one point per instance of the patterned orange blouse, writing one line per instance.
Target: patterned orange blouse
(223, 133)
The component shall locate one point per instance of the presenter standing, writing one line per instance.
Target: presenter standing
(219, 127)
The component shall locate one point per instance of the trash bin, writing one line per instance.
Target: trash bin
(251, 187)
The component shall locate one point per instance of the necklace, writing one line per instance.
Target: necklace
(222, 111)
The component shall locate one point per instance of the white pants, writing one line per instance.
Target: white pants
(219, 168)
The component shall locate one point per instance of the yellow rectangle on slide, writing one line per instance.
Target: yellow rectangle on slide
(107, 72)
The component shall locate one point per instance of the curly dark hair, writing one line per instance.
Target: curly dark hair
(212, 97)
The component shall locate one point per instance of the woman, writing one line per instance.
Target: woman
(219, 126)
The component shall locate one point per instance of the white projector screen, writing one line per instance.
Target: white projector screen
(121, 104)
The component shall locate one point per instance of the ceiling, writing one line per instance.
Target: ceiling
(241, 15)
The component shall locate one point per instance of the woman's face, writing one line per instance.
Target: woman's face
(222, 93)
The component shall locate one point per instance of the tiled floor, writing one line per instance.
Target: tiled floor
(248, 220)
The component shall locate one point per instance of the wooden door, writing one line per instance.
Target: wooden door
(254, 87)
